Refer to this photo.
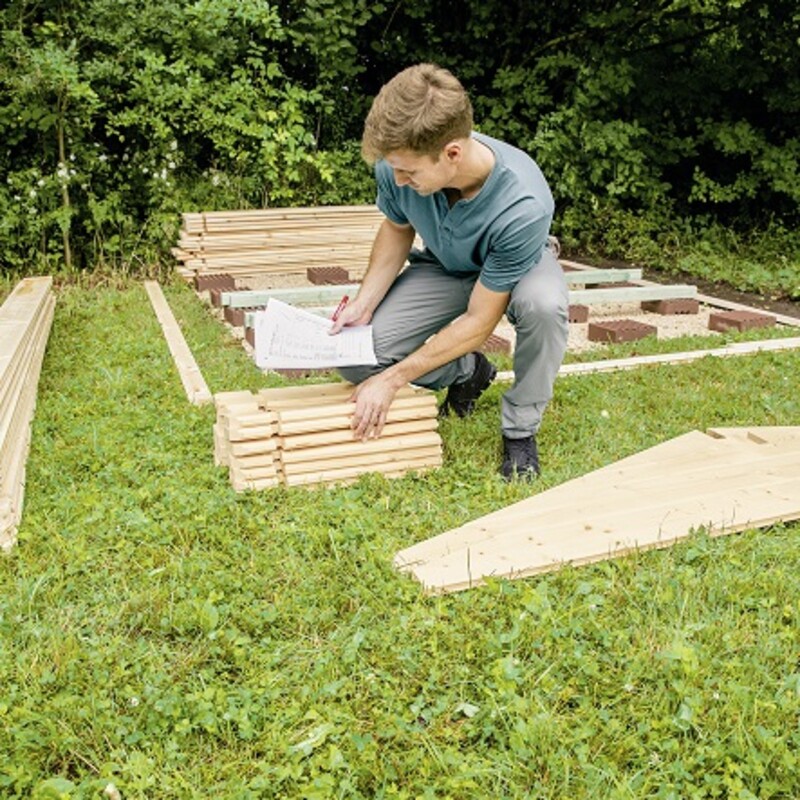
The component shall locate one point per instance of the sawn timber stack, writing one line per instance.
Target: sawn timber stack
(279, 240)
(301, 435)
(25, 320)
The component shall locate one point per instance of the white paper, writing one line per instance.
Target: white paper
(292, 338)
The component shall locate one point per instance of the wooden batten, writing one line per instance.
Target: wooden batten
(357, 449)
(365, 461)
(345, 435)
(193, 382)
(351, 473)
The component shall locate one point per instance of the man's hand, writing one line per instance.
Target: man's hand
(354, 313)
(372, 398)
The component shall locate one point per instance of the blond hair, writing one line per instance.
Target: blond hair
(421, 109)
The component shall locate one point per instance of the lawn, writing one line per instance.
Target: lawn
(164, 637)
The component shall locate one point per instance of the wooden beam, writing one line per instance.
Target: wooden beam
(305, 295)
(630, 294)
(193, 382)
(320, 295)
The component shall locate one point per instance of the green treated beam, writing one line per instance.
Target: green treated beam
(631, 294)
(604, 276)
(304, 295)
(316, 295)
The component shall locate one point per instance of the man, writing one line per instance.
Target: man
(483, 210)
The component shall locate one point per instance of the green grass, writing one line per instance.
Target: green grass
(161, 632)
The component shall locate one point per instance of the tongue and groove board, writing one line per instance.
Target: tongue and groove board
(725, 480)
(25, 320)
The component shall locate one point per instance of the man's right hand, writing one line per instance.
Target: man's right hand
(352, 314)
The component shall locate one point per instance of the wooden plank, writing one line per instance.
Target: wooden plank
(193, 382)
(634, 362)
(304, 440)
(366, 462)
(628, 294)
(349, 473)
(725, 481)
(399, 411)
(293, 396)
(357, 449)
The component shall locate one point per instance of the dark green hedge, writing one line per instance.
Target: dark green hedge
(117, 115)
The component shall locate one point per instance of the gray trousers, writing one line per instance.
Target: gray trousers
(424, 299)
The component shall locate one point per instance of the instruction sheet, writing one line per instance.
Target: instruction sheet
(287, 337)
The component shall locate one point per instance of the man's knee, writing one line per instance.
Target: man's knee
(357, 374)
(536, 310)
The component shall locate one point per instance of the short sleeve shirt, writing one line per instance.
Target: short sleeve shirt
(499, 233)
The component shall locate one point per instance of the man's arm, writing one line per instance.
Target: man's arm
(389, 252)
(463, 335)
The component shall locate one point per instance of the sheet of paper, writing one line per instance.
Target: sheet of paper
(287, 337)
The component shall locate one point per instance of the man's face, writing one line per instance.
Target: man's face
(423, 173)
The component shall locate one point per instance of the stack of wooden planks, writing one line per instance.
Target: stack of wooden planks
(278, 240)
(301, 435)
(25, 320)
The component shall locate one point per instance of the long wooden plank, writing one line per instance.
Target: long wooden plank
(193, 382)
(728, 481)
(634, 362)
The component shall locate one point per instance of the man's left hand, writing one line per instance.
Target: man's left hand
(372, 398)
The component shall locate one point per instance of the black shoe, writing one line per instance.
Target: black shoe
(520, 459)
(461, 397)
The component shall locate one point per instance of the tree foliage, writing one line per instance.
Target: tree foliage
(115, 116)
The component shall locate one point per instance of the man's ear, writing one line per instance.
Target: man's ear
(453, 151)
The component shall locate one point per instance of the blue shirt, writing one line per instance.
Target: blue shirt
(499, 233)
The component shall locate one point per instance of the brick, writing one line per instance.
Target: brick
(739, 320)
(673, 305)
(578, 313)
(322, 276)
(225, 283)
(235, 316)
(250, 336)
(619, 330)
(496, 344)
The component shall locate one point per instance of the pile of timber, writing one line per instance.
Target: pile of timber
(301, 435)
(25, 319)
(277, 240)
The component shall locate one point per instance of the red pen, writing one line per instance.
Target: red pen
(339, 308)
